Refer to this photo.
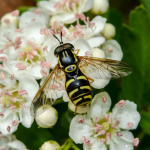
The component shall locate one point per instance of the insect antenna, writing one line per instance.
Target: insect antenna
(61, 37)
(58, 39)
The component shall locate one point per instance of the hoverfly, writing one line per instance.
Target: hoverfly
(76, 73)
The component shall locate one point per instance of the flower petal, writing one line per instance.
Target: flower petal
(77, 130)
(96, 145)
(112, 49)
(25, 116)
(96, 41)
(82, 45)
(87, 6)
(122, 143)
(18, 145)
(99, 23)
(7, 119)
(127, 114)
(32, 31)
(66, 18)
(98, 108)
(30, 85)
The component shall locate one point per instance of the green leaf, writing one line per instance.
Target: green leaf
(146, 3)
(135, 42)
(40, 0)
(145, 121)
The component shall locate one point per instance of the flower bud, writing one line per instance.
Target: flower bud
(8, 19)
(98, 53)
(109, 31)
(80, 109)
(100, 7)
(48, 118)
(50, 145)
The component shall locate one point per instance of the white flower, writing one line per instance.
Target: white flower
(15, 101)
(31, 16)
(27, 51)
(10, 20)
(100, 129)
(48, 118)
(50, 145)
(109, 31)
(100, 6)
(9, 142)
(65, 10)
(112, 49)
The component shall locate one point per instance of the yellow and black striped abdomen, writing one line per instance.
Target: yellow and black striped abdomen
(79, 89)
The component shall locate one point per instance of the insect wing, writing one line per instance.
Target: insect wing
(47, 93)
(100, 68)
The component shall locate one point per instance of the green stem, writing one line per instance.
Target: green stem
(69, 144)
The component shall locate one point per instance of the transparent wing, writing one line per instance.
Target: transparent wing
(101, 68)
(48, 92)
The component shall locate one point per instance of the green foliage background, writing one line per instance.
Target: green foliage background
(133, 34)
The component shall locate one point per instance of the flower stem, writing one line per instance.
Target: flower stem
(69, 144)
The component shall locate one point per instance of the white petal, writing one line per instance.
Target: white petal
(25, 116)
(96, 41)
(77, 130)
(52, 58)
(7, 119)
(96, 145)
(112, 49)
(98, 108)
(123, 143)
(30, 85)
(18, 145)
(99, 23)
(127, 113)
(82, 45)
(66, 18)
(99, 83)
(66, 97)
(32, 31)
(48, 6)
(28, 16)
(87, 6)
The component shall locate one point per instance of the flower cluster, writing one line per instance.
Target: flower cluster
(26, 56)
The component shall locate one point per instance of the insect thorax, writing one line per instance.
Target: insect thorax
(67, 60)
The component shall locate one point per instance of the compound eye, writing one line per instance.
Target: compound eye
(68, 46)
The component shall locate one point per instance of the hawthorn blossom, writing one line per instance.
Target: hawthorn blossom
(27, 51)
(15, 100)
(65, 10)
(101, 129)
(9, 142)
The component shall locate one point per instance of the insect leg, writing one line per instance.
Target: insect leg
(75, 110)
(77, 51)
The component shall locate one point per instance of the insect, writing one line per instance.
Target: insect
(75, 73)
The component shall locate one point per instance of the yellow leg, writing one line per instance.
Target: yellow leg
(77, 51)
(75, 110)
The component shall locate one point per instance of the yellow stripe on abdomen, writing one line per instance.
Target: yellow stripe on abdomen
(72, 92)
(77, 100)
(88, 96)
(82, 77)
(86, 87)
(69, 82)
